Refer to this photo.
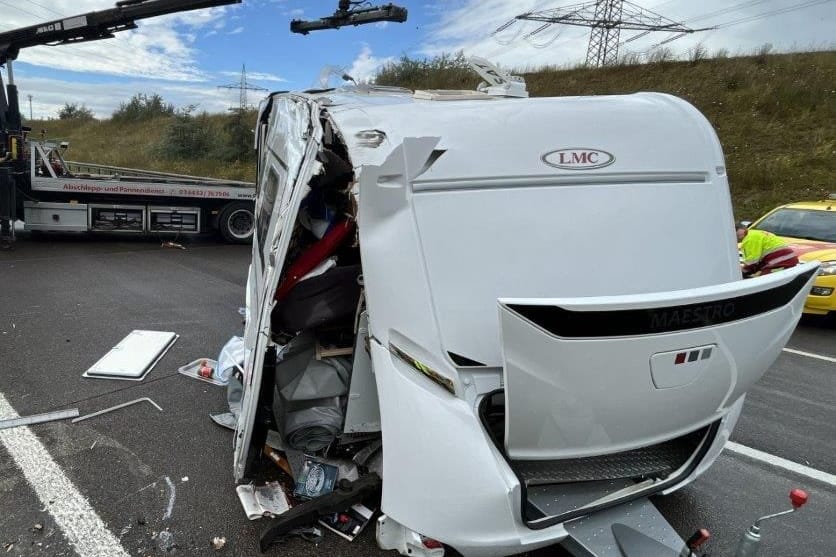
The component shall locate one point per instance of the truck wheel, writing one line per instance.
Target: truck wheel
(237, 222)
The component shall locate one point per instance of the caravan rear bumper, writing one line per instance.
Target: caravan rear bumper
(446, 478)
(443, 476)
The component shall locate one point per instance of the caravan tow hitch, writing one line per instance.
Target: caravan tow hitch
(619, 532)
(751, 540)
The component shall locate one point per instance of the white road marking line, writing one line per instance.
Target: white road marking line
(810, 355)
(779, 462)
(71, 511)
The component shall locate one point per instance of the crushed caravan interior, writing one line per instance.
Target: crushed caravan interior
(409, 318)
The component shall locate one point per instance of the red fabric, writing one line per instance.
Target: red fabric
(313, 256)
(783, 258)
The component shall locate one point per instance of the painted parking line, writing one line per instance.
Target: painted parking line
(783, 463)
(71, 511)
(810, 355)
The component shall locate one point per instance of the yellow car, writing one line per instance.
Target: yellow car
(809, 228)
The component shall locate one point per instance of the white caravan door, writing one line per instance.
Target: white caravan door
(287, 160)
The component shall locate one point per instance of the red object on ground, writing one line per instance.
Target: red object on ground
(313, 256)
(798, 497)
(698, 539)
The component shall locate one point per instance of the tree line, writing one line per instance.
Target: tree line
(187, 133)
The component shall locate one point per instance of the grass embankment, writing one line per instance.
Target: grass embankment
(141, 145)
(775, 114)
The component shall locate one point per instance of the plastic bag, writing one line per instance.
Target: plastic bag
(231, 357)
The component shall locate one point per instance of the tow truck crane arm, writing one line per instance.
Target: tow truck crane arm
(351, 12)
(93, 26)
(90, 26)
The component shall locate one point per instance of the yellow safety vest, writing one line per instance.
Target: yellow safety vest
(758, 243)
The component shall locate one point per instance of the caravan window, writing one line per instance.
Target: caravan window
(268, 200)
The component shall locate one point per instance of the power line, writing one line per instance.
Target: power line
(18, 8)
(729, 9)
(779, 11)
(606, 19)
(723, 11)
(243, 86)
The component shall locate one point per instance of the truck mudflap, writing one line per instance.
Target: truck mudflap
(586, 377)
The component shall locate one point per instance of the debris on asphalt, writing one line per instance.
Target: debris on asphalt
(269, 500)
(94, 444)
(278, 459)
(38, 527)
(140, 520)
(165, 541)
(133, 357)
(310, 534)
(350, 523)
(118, 407)
(39, 418)
(225, 419)
(172, 497)
(218, 542)
(231, 358)
(315, 479)
(174, 245)
(184, 479)
(9, 546)
(202, 369)
(346, 469)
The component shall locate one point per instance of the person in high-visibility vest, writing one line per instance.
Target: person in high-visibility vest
(763, 252)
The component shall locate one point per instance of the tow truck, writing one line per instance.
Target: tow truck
(49, 193)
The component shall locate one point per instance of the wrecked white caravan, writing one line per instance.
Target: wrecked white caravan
(546, 318)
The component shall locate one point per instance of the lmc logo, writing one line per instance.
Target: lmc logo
(578, 158)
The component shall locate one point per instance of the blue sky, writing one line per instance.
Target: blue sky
(184, 57)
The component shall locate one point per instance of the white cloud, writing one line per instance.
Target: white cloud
(467, 25)
(255, 76)
(263, 76)
(159, 49)
(297, 12)
(237, 30)
(366, 65)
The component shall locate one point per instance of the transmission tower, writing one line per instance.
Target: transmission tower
(243, 86)
(606, 18)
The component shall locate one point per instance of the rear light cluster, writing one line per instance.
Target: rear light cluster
(430, 543)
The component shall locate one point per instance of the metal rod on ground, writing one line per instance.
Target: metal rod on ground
(117, 407)
(39, 418)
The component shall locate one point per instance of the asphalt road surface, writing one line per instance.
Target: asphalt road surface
(161, 482)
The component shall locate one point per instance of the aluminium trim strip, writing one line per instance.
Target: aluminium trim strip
(596, 179)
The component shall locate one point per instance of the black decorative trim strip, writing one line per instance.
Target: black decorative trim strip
(575, 324)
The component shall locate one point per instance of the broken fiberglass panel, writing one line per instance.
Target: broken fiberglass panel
(133, 357)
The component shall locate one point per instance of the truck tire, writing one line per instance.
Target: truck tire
(236, 222)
